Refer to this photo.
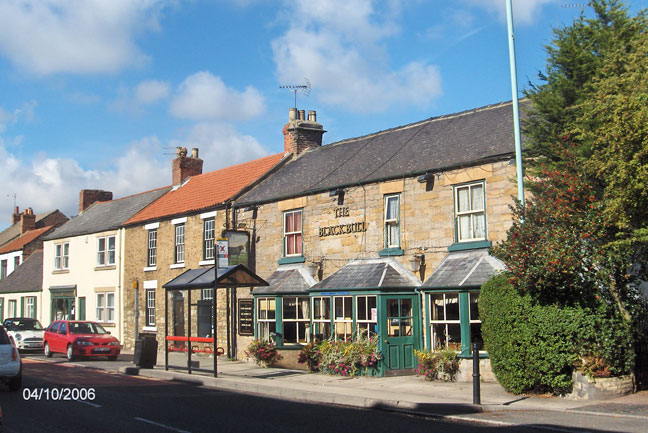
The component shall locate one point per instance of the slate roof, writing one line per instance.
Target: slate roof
(18, 243)
(106, 215)
(208, 189)
(28, 277)
(293, 278)
(435, 144)
(383, 273)
(231, 276)
(470, 268)
(13, 231)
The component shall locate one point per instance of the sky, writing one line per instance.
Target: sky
(97, 94)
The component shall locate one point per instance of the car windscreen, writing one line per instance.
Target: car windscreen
(23, 325)
(86, 328)
(4, 338)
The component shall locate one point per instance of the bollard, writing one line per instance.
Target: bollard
(476, 391)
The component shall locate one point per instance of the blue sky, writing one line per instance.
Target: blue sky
(97, 93)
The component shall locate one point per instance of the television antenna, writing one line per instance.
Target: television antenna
(304, 88)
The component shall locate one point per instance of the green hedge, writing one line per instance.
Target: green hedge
(535, 348)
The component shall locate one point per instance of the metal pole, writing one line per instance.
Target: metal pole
(476, 390)
(189, 330)
(166, 329)
(215, 318)
(516, 113)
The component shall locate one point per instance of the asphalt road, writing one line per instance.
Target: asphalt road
(125, 403)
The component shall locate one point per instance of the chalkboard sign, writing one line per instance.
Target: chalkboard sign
(246, 316)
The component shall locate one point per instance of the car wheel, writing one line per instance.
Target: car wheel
(47, 351)
(113, 358)
(15, 382)
(70, 354)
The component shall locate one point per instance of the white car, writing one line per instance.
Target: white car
(27, 333)
(10, 363)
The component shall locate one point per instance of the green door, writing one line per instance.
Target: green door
(400, 330)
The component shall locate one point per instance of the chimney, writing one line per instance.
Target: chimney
(301, 134)
(184, 167)
(27, 221)
(89, 196)
(15, 217)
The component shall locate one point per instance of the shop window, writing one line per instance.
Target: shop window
(179, 255)
(106, 251)
(366, 316)
(292, 237)
(399, 317)
(266, 319)
(62, 256)
(321, 318)
(343, 319)
(208, 239)
(151, 255)
(445, 321)
(469, 212)
(295, 319)
(392, 221)
(150, 307)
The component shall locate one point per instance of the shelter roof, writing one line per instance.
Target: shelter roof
(204, 278)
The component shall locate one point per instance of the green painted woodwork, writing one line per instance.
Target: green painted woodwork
(469, 245)
(391, 252)
(289, 260)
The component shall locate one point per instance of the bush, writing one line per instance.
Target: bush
(264, 352)
(349, 358)
(535, 348)
(443, 364)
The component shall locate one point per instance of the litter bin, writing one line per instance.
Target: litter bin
(145, 351)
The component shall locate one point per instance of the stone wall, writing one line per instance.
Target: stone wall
(600, 388)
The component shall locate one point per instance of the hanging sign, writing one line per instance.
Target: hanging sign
(222, 253)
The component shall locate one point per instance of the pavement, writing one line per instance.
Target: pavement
(408, 394)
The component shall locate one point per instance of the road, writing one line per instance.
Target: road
(125, 403)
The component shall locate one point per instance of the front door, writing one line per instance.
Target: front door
(400, 330)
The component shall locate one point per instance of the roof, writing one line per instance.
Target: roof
(231, 276)
(293, 278)
(435, 144)
(19, 243)
(208, 189)
(13, 231)
(383, 273)
(106, 215)
(28, 277)
(470, 268)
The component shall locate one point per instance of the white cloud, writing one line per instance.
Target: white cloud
(221, 145)
(68, 36)
(25, 113)
(340, 47)
(203, 96)
(524, 11)
(54, 183)
(149, 92)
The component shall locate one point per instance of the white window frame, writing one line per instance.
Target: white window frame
(106, 255)
(364, 326)
(342, 325)
(392, 222)
(209, 238)
(291, 236)
(445, 343)
(30, 307)
(207, 294)
(179, 244)
(62, 256)
(13, 308)
(264, 321)
(4, 269)
(149, 295)
(151, 247)
(302, 325)
(474, 212)
(321, 316)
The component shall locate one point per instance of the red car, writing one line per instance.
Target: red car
(79, 339)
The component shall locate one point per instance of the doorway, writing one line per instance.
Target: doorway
(401, 332)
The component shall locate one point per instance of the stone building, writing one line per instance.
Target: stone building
(347, 232)
(180, 232)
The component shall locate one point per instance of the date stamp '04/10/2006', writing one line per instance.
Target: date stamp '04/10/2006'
(58, 394)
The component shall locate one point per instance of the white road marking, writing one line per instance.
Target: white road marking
(161, 425)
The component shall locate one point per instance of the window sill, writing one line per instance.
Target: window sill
(288, 260)
(390, 252)
(150, 268)
(105, 268)
(460, 246)
(206, 263)
(61, 271)
(177, 266)
(149, 329)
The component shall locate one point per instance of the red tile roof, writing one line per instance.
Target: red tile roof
(21, 241)
(207, 190)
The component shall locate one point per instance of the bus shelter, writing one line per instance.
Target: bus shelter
(198, 279)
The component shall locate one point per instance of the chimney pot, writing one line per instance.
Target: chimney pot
(300, 136)
(194, 152)
(27, 221)
(302, 115)
(182, 167)
(292, 114)
(312, 116)
(15, 217)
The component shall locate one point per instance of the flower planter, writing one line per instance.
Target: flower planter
(600, 388)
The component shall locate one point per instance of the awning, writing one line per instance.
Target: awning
(232, 276)
(288, 279)
(364, 274)
(467, 269)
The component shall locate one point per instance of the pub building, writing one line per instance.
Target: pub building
(385, 234)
